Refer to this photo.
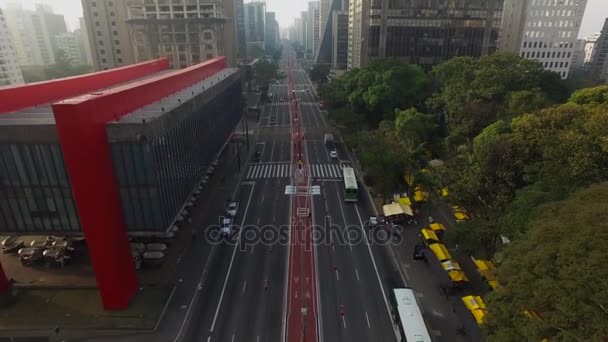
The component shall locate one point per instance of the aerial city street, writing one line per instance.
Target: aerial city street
(303, 170)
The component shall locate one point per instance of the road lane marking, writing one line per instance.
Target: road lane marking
(344, 220)
(357, 273)
(244, 286)
(165, 308)
(252, 247)
(337, 275)
(233, 337)
(369, 248)
(219, 304)
(208, 338)
(344, 322)
(367, 318)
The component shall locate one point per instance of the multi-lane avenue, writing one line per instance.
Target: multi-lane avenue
(245, 294)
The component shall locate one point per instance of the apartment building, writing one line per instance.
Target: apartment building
(186, 32)
(108, 34)
(599, 63)
(10, 73)
(33, 33)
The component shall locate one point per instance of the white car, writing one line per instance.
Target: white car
(333, 154)
(232, 208)
(226, 228)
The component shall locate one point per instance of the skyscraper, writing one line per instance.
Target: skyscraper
(107, 32)
(255, 26)
(33, 33)
(241, 42)
(184, 33)
(599, 63)
(71, 43)
(314, 22)
(334, 27)
(10, 73)
(422, 32)
(542, 30)
(271, 30)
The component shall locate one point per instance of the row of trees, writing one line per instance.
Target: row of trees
(519, 153)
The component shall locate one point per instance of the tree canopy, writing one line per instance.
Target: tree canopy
(378, 89)
(480, 90)
(265, 72)
(559, 272)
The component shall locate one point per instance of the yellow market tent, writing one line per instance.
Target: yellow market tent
(455, 273)
(429, 236)
(488, 271)
(437, 227)
(395, 209)
(440, 251)
(404, 201)
(476, 306)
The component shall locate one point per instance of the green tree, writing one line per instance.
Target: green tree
(419, 127)
(595, 95)
(63, 67)
(265, 71)
(477, 91)
(319, 73)
(557, 271)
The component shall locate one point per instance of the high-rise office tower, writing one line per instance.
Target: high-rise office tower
(186, 32)
(590, 45)
(422, 32)
(314, 22)
(33, 33)
(108, 34)
(599, 63)
(255, 26)
(10, 73)
(241, 42)
(333, 28)
(84, 36)
(271, 31)
(542, 30)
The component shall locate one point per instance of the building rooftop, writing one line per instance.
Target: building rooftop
(156, 109)
(43, 114)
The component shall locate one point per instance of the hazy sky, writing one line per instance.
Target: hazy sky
(287, 10)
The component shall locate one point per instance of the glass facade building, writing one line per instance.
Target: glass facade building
(157, 176)
(425, 32)
(35, 193)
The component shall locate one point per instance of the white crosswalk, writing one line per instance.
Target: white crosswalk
(283, 170)
(326, 171)
(263, 171)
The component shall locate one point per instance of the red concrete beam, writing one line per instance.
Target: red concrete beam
(81, 125)
(18, 97)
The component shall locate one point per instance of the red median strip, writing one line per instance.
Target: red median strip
(301, 288)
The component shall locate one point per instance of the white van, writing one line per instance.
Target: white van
(226, 226)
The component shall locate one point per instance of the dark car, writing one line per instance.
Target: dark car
(272, 122)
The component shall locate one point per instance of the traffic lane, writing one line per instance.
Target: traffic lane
(204, 313)
(249, 288)
(232, 319)
(317, 113)
(353, 292)
(274, 247)
(310, 119)
(377, 301)
(327, 300)
(339, 306)
(320, 152)
(283, 117)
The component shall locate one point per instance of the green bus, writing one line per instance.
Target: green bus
(351, 192)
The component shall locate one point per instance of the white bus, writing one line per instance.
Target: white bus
(351, 192)
(407, 316)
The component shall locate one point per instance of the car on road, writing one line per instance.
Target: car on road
(277, 82)
(257, 156)
(226, 226)
(373, 222)
(210, 170)
(333, 154)
(281, 99)
(232, 208)
(272, 122)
